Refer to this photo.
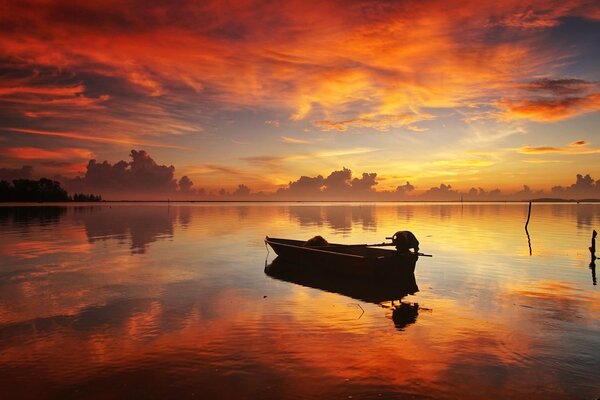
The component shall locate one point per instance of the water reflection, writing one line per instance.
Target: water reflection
(140, 225)
(157, 301)
(405, 314)
(593, 257)
(372, 290)
(31, 215)
(341, 218)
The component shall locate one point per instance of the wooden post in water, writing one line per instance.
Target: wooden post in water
(593, 256)
(527, 231)
(593, 246)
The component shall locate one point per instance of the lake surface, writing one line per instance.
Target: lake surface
(172, 301)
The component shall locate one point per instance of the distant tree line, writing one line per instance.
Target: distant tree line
(44, 190)
(85, 197)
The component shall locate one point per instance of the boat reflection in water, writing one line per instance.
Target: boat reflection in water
(375, 289)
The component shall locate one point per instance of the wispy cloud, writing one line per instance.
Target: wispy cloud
(464, 163)
(36, 153)
(577, 149)
(291, 140)
(78, 136)
(416, 128)
(544, 161)
(578, 143)
(381, 123)
(214, 169)
(271, 160)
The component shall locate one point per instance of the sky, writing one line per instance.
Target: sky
(250, 96)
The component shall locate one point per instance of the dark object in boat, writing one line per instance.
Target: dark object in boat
(372, 289)
(360, 260)
(316, 241)
(404, 241)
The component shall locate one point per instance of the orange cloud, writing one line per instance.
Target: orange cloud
(50, 91)
(134, 73)
(287, 139)
(381, 123)
(35, 153)
(71, 135)
(578, 143)
(332, 59)
(577, 149)
(552, 109)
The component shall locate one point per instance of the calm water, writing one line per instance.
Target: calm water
(157, 301)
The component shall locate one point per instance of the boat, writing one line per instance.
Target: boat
(356, 260)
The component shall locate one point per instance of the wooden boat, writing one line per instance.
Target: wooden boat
(358, 260)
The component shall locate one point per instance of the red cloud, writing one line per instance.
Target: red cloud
(574, 148)
(287, 54)
(35, 153)
(78, 136)
(552, 109)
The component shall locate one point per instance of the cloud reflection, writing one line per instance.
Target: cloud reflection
(339, 218)
(195, 310)
(140, 225)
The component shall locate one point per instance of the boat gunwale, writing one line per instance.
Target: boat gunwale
(268, 240)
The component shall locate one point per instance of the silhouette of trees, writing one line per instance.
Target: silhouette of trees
(86, 197)
(44, 190)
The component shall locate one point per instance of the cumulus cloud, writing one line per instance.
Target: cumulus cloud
(584, 186)
(8, 174)
(185, 184)
(527, 193)
(443, 192)
(142, 177)
(305, 186)
(241, 191)
(339, 185)
(338, 182)
(366, 183)
(405, 189)
(480, 194)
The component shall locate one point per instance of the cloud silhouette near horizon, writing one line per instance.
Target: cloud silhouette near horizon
(142, 178)
(9, 174)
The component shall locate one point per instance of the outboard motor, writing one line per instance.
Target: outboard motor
(405, 240)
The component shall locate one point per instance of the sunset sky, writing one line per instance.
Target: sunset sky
(470, 94)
